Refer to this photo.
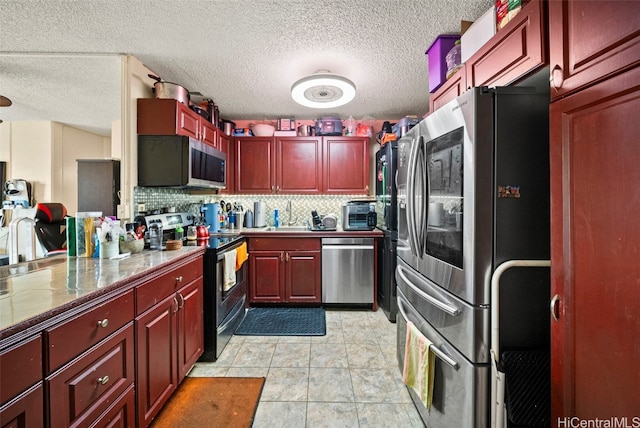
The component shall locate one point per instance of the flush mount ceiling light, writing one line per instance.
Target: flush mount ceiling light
(323, 90)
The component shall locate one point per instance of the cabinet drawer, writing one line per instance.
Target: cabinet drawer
(20, 367)
(68, 339)
(156, 290)
(283, 244)
(27, 410)
(121, 414)
(81, 391)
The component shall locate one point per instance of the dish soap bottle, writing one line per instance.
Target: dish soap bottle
(350, 126)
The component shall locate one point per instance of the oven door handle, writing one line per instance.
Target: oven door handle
(443, 306)
(436, 351)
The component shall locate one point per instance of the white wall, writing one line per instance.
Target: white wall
(45, 153)
(136, 84)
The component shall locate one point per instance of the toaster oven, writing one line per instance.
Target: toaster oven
(358, 216)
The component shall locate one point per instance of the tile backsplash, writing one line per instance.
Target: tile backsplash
(301, 205)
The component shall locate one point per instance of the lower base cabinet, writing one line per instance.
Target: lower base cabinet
(26, 410)
(113, 361)
(169, 341)
(285, 270)
(81, 391)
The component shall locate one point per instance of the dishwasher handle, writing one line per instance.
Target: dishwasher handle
(347, 247)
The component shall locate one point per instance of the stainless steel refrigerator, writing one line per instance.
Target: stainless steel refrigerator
(473, 192)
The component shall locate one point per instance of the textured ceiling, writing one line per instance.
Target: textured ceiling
(59, 59)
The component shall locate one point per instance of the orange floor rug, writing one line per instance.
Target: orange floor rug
(212, 402)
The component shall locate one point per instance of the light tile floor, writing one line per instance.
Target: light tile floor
(348, 378)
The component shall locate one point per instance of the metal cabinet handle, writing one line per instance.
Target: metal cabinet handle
(103, 323)
(556, 77)
(103, 380)
(179, 279)
(281, 257)
(175, 300)
(286, 257)
(555, 307)
(181, 304)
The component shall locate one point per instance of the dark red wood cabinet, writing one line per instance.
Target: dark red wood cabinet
(26, 410)
(345, 165)
(298, 165)
(302, 165)
(591, 40)
(254, 157)
(514, 52)
(158, 116)
(169, 336)
(227, 146)
(284, 270)
(595, 200)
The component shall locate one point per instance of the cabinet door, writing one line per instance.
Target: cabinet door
(255, 157)
(226, 145)
(188, 122)
(208, 133)
(157, 116)
(121, 414)
(190, 326)
(266, 276)
(24, 411)
(303, 276)
(156, 344)
(513, 52)
(595, 200)
(299, 165)
(346, 165)
(452, 88)
(589, 40)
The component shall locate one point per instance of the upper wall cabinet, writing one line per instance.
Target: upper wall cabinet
(589, 42)
(514, 52)
(301, 165)
(346, 165)
(158, 116)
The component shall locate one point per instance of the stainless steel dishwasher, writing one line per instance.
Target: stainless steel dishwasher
(347, 270)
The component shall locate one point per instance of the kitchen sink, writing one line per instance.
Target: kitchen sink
(287, 229)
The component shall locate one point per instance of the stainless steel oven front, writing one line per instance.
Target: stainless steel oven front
(224, 307)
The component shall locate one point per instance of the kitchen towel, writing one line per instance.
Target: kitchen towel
(419, 361)
(241, 255)
(229, 269)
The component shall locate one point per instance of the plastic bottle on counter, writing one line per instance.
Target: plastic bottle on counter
(276, 220)
(179, 232)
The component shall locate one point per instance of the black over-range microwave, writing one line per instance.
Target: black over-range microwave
(175, 161)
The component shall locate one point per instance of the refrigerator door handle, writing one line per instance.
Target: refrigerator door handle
(443, 306)
(436, 351)
(411, 178)
(421, 228)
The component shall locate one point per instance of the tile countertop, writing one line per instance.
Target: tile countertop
(34, 291)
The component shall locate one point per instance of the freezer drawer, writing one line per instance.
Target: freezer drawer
(461, 388)
(347, 270)
(464, 326)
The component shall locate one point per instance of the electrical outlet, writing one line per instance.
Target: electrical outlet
(141, 207)
(122, 211)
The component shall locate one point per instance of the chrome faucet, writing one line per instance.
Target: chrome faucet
(14, 255)
(290, 221)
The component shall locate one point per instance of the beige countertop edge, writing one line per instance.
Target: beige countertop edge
(63, 283)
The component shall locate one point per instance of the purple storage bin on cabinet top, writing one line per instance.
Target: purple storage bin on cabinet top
(436, 56)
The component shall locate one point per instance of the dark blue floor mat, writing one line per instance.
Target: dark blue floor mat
(283, 322)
